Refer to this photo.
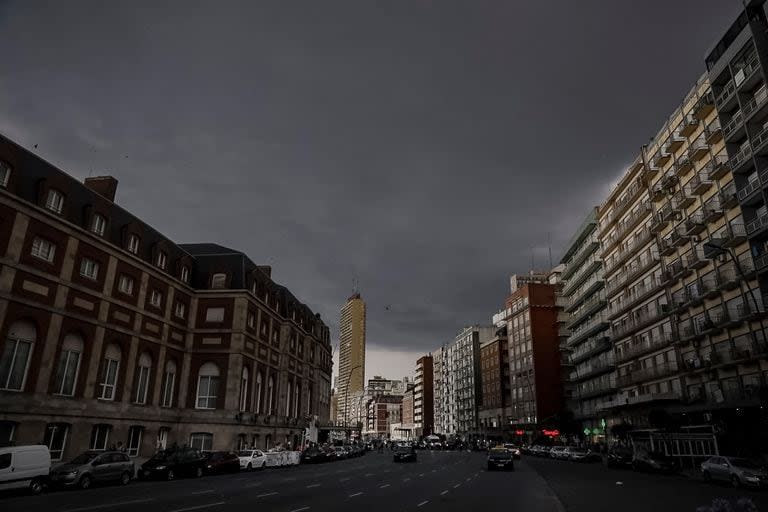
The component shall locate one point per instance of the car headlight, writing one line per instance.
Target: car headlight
(72, 473)
(750, 475)
(159, 468)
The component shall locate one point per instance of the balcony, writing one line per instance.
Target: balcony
(674, 142)
(697, 149)
(579, 257)
(757, 224)
(704, 106)
(718, 167)
(658, 193)
(649, 172)
(641, 238)
(586, 270)
(646, 398)
(712, 210)
(661, 158)
(731, 235)
(728, 277)
(727, 196)
(694, 224)
(749, 190)
(629, 223)
(603, 388)
(638, 347)
(669, 179)
(646, 374)
(741, 158)
(683, 166)
(666, 247)
(758, 101)
(640, 320)
(726, 94)
(695, 259)
(689, 125)
(639, 294)
(760, 142)
(683, 199)
(622, 203)
(596, 324)
(659, 222)
(594, 304)
(595, 369)
(678, 270)
(678, 238)
(586, 350)
(712, 133)
(632, 273)
(699, 184)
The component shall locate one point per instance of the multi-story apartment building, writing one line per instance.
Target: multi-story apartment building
(407, 414)
(383, 412)
(113, 333)
(351, 356)
(423, 396)
(459, 381)
(495, 383)
(676, 308)
(439, 417)
(592, 376)
(531, 317)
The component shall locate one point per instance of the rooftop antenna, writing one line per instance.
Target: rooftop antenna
(355, 288)
(532, 261)
(549, 245)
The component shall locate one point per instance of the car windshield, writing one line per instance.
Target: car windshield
(84, 458)
(744, 463)
(245, 453)
(161, 456)
(402, 448)
(501, 454)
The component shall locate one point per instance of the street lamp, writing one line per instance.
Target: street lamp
(714, 249)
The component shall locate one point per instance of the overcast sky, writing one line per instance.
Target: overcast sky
(425, 148)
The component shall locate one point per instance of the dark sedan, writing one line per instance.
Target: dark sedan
(313, 455)
(501, 458)
(619, 457)
(405, 453)
(654, 462)
(169, 464)
(221, 462)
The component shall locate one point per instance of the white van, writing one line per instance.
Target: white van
(24, 466)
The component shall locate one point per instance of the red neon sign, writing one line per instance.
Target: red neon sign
(551, 433)
(519, 432)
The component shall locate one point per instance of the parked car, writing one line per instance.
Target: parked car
(221, 462)
(515, 450)
(330, 453)
(736, 470)
(619, 457)
(313, 455)
(168, 464)
(94, 467)
(25, 467)
(404, 453)
(501, 458)
(252, 459)
(654, 461)
(583, 455)
(559, 452)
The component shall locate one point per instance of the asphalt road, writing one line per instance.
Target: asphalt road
(439, 481)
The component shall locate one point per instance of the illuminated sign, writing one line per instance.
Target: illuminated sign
(519, 432)
(551, 433)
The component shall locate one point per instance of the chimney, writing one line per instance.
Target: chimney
(266, 269)
(105, 186)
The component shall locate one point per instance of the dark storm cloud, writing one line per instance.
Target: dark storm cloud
(426, 148)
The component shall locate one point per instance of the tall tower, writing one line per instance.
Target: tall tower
(351, 355)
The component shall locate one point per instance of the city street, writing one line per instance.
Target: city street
(439, 481)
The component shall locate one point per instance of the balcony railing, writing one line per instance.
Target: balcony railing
(698, 148)
(713, 132)
(646, 374)
(590, 348)
(640, 293)
(757, 224)
(622, 203)
(595, 368)
(726, 93)
(757, 101)
(736, 120)
(640, 320)
(579, 257)
(586, 329)
(638, 348)
(640, 239)
(631, 273)
(689, 125)
(588, 268)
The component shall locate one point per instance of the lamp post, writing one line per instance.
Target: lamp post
(713, 250)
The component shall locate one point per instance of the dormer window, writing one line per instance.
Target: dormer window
(161, 260)
(55, 201)
(98, 224)
(133, 243)
(185, 274)
(5, 174)
(218, 281)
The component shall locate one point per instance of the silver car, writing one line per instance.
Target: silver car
(738, 471)
(90, 467)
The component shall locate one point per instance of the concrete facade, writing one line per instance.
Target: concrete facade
(351, 377)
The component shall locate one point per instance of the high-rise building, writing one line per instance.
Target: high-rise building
(351, 355)
(423, 396)
(459, 381)
(495, 382)
(532, 320)
(593, 375)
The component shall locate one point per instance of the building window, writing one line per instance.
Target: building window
(89, 268)
(55, 201)
(288, 398)
(43, 249)
(109, 372)
(270, 394)
(207, 386)
(16, 356)
(142, 378)
(244, 390)
(213, 315)
(5, 173)
(133, 243)
(185, 274)
(98, 224)
(180, 310)
(296, 399)
(218, 281)
(162, 438)
(99, 437)
(251, 321)
(56, 439)
(134, 440)
(156, 298)
(125, 284)
(169, 382)
(69, 365)
(202, 441)
(257, 405)
(161, 260)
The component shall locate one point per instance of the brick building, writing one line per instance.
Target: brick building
(112, 333)
(423, 406)
(495, 383)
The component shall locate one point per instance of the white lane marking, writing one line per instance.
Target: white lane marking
(356, 494)
(313, 485)
(457, 486)
(443, 493)
(421, 474)
(344, 479)
(386, 471)
(477, 474)
(256, 484)
(198, 507)
(203, 492)
(300, 509)
(96, 507)
(291, 479)
(422, 503)
(434, 471)
(406, 479)
(468, 479)
(369, 474)
(266, 494)
(383, 486)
